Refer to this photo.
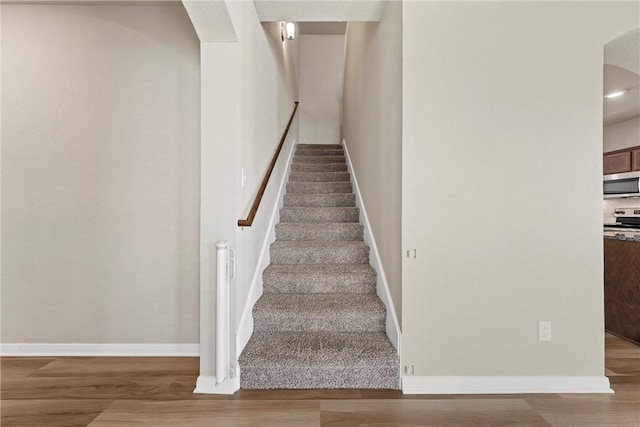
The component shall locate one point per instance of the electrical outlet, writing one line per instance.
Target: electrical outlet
(408, 369)
(243, 178)
(544, 331)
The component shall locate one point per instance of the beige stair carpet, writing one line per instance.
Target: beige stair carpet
(319, 323)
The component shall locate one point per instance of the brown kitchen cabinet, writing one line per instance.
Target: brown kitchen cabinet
(622, 288)
(617, 162)
(621, 161)
(635, 159)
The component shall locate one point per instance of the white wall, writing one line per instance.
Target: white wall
(622, 135)
(249, 89)
(321, 78)
(502, 145)
(268, 81)
(100, 174)
(218, 190)
(372, 125)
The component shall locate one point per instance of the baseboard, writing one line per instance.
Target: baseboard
(504, 385)
(382, 286)
(117, 350)
(245, 326)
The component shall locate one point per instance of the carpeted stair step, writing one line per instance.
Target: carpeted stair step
(325, 231)
(319, 146)
(318, 159)
(319, 278)
(319, 187)
(319, 313)
(304, 252)
(303, 360)
(319, 176)
(318, 167)
(325, 152)
(319, 214)
(318, 200)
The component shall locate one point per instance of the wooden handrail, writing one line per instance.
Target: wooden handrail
(256, 203)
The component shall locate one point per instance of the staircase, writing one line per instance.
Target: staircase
(319, 323)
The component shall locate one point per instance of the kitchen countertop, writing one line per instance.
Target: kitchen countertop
(626, 239)
(618, 232)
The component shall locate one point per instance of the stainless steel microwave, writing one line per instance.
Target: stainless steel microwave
(622, 185)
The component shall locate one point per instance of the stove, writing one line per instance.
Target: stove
(626, 227)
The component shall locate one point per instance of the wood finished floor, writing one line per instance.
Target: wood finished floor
(111, 391)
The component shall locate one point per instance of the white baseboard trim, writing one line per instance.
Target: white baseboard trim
(504, 385)
(116, 350)
(245, 326)
(382, 286)
(207, 385)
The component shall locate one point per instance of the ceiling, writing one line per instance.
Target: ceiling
(319, 10)
(212, 20)
(624, 51)
(624, 107)
(621, 72)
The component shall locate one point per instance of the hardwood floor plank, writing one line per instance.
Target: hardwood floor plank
(629, 351)
(627, 366)
(627, 389)
(618, 347)
(624, 379)
(22, 366)
(230, 413)
(50, 413)
(366, 395)
(119, 367)
(78, 388)
(458, 413)
(610, 373)
(183, 387)
(319, 394)
(572, 412)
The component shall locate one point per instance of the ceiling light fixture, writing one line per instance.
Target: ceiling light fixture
(287, 31)
(615, 94)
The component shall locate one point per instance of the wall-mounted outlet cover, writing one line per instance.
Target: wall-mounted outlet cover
(544, 330)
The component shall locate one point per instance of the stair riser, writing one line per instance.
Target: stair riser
(290, 284)
(346, 322)
(319, 187)
(319, 176)
(306, 232)
(303, 152)
(329, 255)
(318, 167)
(382, 377)
(320, 200)
(319, 159)
(319, 147)
(319, 214)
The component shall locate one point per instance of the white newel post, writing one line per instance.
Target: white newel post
(225, 380)
(223, 271)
